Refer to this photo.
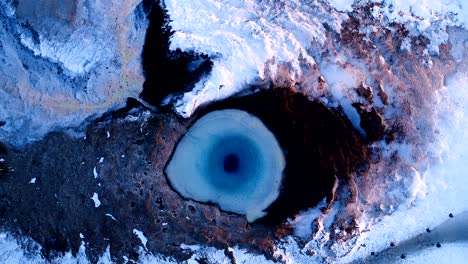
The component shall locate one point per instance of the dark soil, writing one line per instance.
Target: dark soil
(319, 143)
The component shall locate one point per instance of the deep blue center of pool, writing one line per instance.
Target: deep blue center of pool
(231, 163)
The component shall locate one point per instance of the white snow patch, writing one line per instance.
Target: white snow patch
(95, 172)
(141, 236)
(8, 8)
(303, 222)
(97, 53)
(12, 252)
(79, 53)
(217, 256)
(444, 185)
(95, 198)
(272, 32)
(406, 44)
(342, 5)
(242, 37)
(340, 82)
(456, 253)
(429, 18)
(111, 216)
(106, 257)
(289, 251)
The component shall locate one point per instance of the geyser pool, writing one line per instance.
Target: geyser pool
(230, 158)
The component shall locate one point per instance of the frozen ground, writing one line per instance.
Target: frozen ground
(63, 62)
(250, 42)
(442, 190)
(271, 33)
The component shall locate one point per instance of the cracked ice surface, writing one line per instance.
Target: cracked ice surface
(66, 61)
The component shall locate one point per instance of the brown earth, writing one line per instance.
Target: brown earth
(132, 187)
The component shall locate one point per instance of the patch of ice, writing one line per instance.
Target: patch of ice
(340, 81)
(132, 118)
(12, 252)
(429, 18)
(342, 5)
(213, 255)
(7, 7)
(406, 44)
(78, 53)
(95, 172)
(111, 216)
(86, 64)
(303, 222)
(141, 236)
(95, 198)
(290, 252)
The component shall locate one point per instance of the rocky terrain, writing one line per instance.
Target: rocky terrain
(91, 100)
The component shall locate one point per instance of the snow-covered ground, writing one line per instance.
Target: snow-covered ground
(248, 41)
(443, 188)
(270, 33)
(61, 64)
